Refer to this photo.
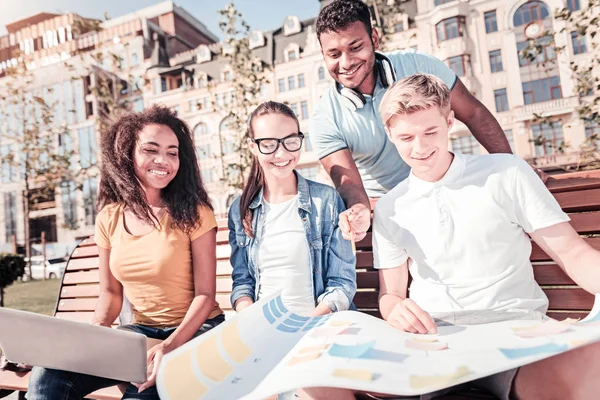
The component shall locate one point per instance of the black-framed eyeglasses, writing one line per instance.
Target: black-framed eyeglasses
(291, 143)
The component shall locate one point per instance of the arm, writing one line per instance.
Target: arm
(571, 252)
(204, 267)
(345, 176)
(110, 299)
(340, 271)
(242, 293)
(478, 119)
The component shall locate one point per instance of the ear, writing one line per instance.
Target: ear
(375, 38)
(252, 146)
(450, 120)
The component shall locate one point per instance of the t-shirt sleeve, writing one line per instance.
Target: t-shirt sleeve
(101, 231)
(535, 207)
(323, 132)
(388, 252)
(415, 62)
(207, 222)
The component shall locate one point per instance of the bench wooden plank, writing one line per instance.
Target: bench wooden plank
(78, 264)
(586, 223)
(569, 299)
(90, 241)
(84, 316)
(583, 200)
(582, 180)
(81, 304)
(224, 268)
(72, 278)
(88, 251)
(224, 284)
(551, 274)
(78, 291)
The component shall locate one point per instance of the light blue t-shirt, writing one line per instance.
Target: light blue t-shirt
(334, 127)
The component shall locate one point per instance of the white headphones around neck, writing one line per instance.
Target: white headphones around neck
(355, 100)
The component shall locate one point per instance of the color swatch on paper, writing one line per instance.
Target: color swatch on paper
(178, 370)
(210, 361)
(352, 351)
(304, 358)
(433, 381)
(354, 374)
(232, 342)
(434, 345)
(548, 328)
(522, 352)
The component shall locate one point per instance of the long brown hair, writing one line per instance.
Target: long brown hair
(256, 179)
(118, 183)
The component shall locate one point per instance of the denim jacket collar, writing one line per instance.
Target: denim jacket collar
(303, 195)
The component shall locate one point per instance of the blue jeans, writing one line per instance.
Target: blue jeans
(52, 384)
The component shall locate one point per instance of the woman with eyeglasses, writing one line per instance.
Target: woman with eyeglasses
(283, 229)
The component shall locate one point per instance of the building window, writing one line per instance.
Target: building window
(491, 24)
(501, 100)
(208, 175)
(573, 5)
(440, 2)
(321, 73)
(135, 59)
(579, 43)
(531, 11)
(458, 64)
(465, 145)
(87, 146)
(226, 133)
(399, 26)
(138, 105)
(450, 28)
(542, 49)
(510, 138)
(90, 195)
(547, 138)
(281, 83)
(10, 216)
(202, 81)
(307, 143)
(592, 134)
(542, 90)
(294, 107)
(308, 173)
(291, 82)
(68, 196)
(9, 170)
(202, 142)
(301, 82)
(304, 109)
(496, 61)
(227, 76)
(292, 55)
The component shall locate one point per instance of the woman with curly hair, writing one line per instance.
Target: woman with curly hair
(156, 237)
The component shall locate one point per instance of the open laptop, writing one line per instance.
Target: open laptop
(56, 343)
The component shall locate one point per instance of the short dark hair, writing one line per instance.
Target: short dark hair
(337, 15)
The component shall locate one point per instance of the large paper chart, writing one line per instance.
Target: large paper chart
(267, 349)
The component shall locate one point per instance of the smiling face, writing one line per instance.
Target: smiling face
(350, 56)
(156, 157)
(422, 141)
(281, 163)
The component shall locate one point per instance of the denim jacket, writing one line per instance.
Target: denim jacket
(331, 258)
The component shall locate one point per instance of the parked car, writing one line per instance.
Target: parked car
(55, 268)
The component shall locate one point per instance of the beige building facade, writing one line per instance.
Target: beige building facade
(170, 58)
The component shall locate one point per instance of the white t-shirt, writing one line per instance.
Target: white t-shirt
(284, 257)
(466, 236)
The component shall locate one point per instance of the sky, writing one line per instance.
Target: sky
(260, 14)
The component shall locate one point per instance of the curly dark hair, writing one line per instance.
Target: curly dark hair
(337, 15)
(118, 183)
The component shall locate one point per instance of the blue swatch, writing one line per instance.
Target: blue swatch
(287, 329)
(292, 322)
(274, 309)
(298, 318)
(523, 352)
(595, 318)
(354, 351)
(280, 305)
(268, 314)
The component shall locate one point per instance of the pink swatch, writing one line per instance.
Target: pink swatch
(551, 327)
(425, 346)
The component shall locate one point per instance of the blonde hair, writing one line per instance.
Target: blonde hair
(415, 93)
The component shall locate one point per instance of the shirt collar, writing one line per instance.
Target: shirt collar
(303, 195)
(454, 173)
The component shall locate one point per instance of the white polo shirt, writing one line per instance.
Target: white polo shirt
(466, 236)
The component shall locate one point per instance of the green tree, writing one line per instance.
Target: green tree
(385, 16)
(35, 141)
(249, 76)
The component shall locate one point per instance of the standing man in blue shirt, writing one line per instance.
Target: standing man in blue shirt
(346, 128)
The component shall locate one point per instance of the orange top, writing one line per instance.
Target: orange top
(155, 269)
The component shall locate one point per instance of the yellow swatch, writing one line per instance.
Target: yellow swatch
(340, 323)
(424, 339)
(210, 361)
(233, 345)
(569, 321)
(523, 328)
(577, 342)
(311, 349)
(300, 360)
(354, 374)
(179, 379)
(421, 382)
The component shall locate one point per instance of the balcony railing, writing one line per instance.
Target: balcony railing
(556, 160)
(547, 108)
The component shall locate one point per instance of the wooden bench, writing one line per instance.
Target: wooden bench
(577, 193)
